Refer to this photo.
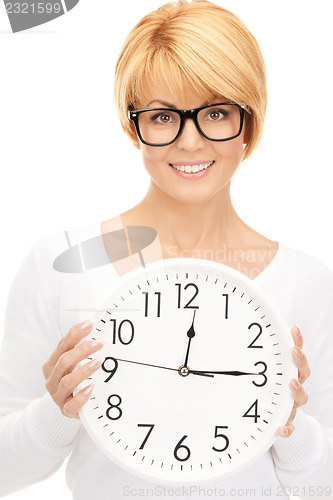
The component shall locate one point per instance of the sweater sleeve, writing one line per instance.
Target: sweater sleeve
(304, 461)
(35, 437)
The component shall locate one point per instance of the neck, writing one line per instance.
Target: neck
(190, 225)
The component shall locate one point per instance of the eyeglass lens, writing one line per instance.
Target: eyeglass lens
(161, 126)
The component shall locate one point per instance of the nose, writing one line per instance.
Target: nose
(190, 137)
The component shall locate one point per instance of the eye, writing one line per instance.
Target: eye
(217, 114)
(163, 118)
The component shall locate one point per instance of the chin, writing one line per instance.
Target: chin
(192, 197)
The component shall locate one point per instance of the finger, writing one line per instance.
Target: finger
(302, 364)
(68, 361)
(70, 340)
(67, 385)
(298, 393)
(291, 416)
(72, 380)
(74, 404)
(297, 336)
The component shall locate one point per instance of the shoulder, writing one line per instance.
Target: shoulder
(306, 270)
(301, 285)
(57, 257)
(305, 288)
(69, 268)
(65, 241)
(39, 270)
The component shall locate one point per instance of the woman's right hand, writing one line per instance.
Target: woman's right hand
(59, 370)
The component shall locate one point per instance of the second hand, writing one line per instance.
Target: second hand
(163, 367)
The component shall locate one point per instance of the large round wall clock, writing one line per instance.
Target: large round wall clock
(194, 382)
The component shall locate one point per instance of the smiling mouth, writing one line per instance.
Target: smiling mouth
(192, 169)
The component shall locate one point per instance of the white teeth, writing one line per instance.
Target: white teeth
(192, 169)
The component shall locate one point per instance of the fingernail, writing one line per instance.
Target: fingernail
(89, 389)
(298, 351)
(99, 342)
(296, 385)
(86, 325)
(284, 432)
(296, 330)
(96, 362)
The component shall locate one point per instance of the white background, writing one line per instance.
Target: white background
(65, 161)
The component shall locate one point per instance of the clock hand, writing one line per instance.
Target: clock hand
(190, 334)
(227, 372)
(147, 364)
(158, 366)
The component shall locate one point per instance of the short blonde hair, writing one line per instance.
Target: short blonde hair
(194, 45)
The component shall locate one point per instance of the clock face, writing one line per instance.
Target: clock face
(194, 383)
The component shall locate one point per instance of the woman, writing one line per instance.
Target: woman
(185, 56)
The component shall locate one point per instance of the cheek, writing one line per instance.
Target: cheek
(152, 157)
(230, 153)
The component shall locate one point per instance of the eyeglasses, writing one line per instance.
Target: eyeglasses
(162, 126)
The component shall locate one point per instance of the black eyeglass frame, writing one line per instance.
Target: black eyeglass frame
(192, 114)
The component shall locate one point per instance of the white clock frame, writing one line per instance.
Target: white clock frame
(100, 415)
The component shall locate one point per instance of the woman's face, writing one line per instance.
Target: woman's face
(191, 148)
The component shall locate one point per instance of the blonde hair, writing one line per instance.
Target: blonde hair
(194, 45)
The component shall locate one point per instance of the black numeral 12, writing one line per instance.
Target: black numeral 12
(187, 306)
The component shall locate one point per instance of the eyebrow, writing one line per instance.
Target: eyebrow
(171, 106)
(167, 104)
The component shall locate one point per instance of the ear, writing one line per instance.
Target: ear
(136, 143)
(134, 137)
(246, 130)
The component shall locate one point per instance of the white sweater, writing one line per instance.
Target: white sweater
(35, 437)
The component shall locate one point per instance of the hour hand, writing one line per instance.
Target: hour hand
(190, 334)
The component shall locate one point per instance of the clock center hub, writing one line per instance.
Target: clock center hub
(183, 371)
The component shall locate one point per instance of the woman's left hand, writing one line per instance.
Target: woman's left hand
(298, 393)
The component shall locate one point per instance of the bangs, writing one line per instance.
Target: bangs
(163, 68)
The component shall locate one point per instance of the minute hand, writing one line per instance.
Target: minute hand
(226, 372)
